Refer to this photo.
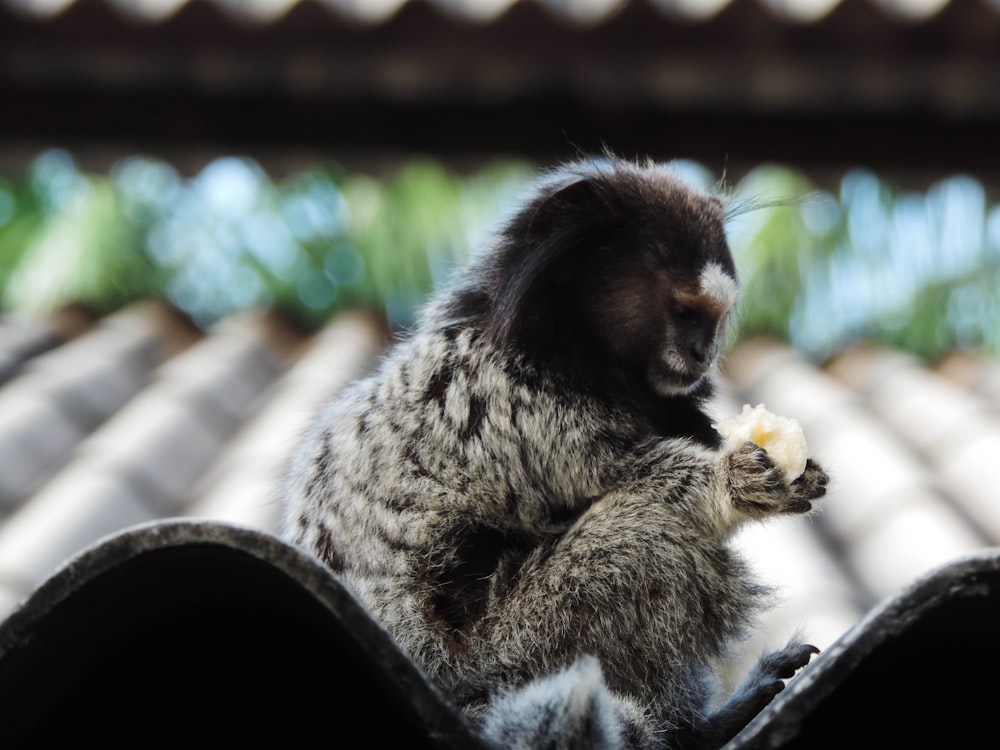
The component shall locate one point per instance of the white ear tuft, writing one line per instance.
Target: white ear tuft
(718, 285)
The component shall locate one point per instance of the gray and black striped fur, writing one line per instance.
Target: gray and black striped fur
(529, 494)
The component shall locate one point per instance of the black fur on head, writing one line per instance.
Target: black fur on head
(615, 264)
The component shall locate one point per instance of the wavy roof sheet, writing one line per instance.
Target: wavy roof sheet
(590, 11)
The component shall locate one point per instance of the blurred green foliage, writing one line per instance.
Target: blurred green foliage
(773, 247)
(916, 270)
(821, 269)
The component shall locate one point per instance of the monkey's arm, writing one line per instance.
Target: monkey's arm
(649, 558)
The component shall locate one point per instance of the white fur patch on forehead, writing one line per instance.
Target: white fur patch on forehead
(719, 286)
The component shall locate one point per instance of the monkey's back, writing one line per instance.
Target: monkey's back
(416, 484)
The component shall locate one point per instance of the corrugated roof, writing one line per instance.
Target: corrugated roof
(589, 11)
(825, 84)
(140, 417)
(207, 633)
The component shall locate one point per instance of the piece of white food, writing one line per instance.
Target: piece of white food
(781, 437)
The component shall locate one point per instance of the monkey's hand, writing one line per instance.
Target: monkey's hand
(759, 488)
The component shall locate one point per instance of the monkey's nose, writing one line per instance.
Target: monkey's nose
(700, 355)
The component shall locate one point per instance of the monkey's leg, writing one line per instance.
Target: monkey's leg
(634, 582)
(645, 569)
(644, 582)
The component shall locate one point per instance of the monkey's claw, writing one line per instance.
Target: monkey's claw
(811, 484)
(785, 663)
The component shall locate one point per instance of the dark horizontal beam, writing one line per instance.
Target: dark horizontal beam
(544, 126)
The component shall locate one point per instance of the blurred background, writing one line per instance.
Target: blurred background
(316, 155)
(214, 212)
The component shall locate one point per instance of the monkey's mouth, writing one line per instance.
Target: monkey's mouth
(670, 381)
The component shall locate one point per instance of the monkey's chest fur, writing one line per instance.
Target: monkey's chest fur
(483, 513)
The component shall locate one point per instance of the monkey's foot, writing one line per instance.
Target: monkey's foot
(765, 681)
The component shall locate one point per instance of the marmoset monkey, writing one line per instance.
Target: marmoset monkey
(529, 494)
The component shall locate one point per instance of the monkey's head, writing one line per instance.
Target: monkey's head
(619, 264)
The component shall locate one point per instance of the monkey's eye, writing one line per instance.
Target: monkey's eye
(685, 313)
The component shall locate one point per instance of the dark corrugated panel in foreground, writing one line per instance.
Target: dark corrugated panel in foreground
(205, 630)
